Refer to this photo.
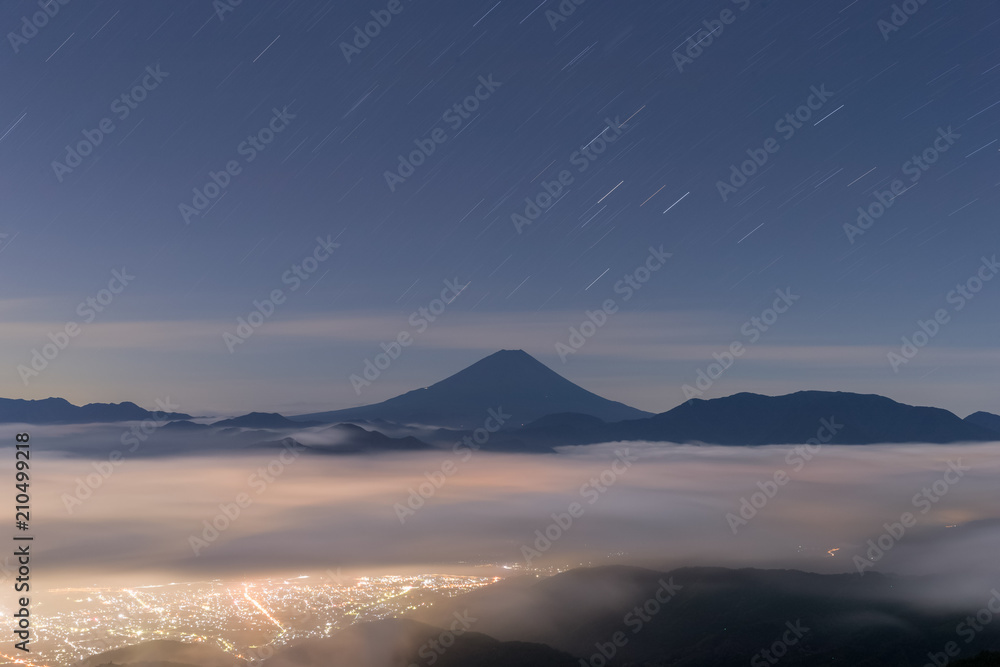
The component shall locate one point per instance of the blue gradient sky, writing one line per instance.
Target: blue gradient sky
(324, 175)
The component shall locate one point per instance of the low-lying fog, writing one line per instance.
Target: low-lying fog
(657, 505)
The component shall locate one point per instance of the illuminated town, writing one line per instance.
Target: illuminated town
(248, 619)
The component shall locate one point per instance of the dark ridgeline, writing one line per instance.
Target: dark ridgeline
(752, 419)
(61, 411)
(710, 617)
(526, 389)
(546, 410)
(387, 643)
(986, 420)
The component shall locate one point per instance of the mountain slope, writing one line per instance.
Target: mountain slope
(61, 411)
(752, 419)
(400, 643)
(985, 420)
(351, 439)
(714, 616)
(512, 380)
(164, 651)
(270, 420)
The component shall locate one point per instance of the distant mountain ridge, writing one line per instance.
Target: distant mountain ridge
(985, 420)
(512, 379)
(391, 642)
(270, 420)
(164, 651)
(711, 616)
(396, 642)
(841, 418)
(61, 411)
(528, 407)
(344, 439)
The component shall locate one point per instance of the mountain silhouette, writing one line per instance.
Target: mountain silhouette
(164, 652)
(269, 420)
(708, 616)
(542, 410)
(351, 439)
(512, 380)
(985, 420)
(753, 419)
(403, 642)
(389, 642)
(61, 411)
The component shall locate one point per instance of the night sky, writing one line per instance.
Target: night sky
(308, 118)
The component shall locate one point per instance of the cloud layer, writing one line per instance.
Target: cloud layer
(673, 506)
